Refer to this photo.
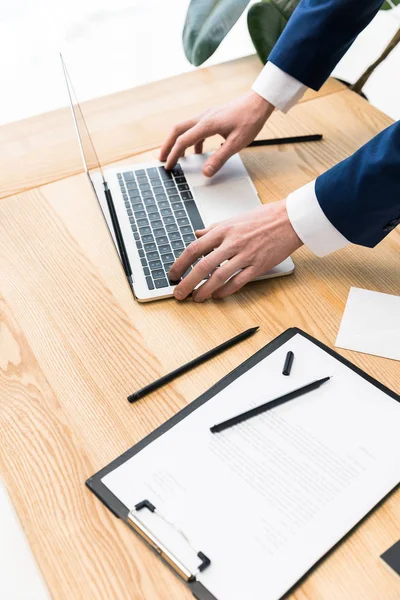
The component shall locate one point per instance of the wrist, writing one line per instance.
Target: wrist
(263, 107)
(289, 231)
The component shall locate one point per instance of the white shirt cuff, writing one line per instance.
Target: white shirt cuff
(310, 223)
(278, 88)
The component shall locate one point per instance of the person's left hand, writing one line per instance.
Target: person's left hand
(246, 247)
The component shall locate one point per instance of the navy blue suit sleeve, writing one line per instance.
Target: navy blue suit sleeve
(361, 195)
(318, 34)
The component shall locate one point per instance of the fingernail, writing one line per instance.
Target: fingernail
(209, 171)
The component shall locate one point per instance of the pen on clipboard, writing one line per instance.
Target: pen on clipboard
(258, 410)
(193, 363)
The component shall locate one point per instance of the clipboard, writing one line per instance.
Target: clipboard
(127, 514)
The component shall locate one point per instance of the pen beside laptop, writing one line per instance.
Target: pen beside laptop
(190, 365)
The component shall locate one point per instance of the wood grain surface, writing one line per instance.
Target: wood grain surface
(122, 124)
(74, 343)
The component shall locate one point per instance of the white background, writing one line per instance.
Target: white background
(110, 45)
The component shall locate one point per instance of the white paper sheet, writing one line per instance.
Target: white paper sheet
(20, 578)
(371, 323)
(269, 497)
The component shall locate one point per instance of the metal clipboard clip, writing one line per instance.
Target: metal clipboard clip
(136, 523)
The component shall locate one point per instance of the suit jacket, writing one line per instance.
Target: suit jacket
(361, 195)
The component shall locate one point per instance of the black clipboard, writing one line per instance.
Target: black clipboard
(95, 484)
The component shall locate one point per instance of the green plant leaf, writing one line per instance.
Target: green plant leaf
(207, 23)
(266, 23)
(386, 5)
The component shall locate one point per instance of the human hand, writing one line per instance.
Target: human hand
(238, 122)
(251, 245)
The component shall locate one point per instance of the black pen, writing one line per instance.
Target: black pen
(190, 365)
(314, 137)
(253, 412)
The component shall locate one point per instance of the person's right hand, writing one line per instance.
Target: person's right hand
(238, 122)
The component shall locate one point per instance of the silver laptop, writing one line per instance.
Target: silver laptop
(152, 213)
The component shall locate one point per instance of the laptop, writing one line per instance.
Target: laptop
(152, 213)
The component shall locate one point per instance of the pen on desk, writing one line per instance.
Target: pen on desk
(287, 367)
(258, 410)
(315, 137)
(190, 365)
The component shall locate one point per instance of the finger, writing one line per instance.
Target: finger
(200, 272)
(175, 132)
(218, 279)
(220, 156)
(200, 232)
(237, 282)
(195, 250)
(198, 147)
(190, 138)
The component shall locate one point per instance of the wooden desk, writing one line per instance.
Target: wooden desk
(74, 343)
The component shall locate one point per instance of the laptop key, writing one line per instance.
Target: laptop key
(128, 176)
(189, 237)
(155, 264)
(174, 235)
(163, 204)
(180, 213)
(144, 263)
(177, 244)
(144, 230)
(160, 197)
(152, 172)
(147, 194)
(144, 186)
(150, 247)
(164, 248)
(149, 201)
(186, 229)
(140, 214)
(177, 170)
(171, 191)
(159, 232)
(169, 183)
(140, 172)
(142, 222)
(184, 221)
(162, 240)
(166, 212)
(138, 206)
(125, 196)
(194, 215)
(169, 220)
(183, 187)
(158, 190)
(157, 224)
(161, 283)
(180, 180)
(146, 271)
(155, 181)
(153, 255)
(150, 283)
(119, 175)
(141, 254)
(147, 239)
(178, 252)
(131, 185)
(167, 258)
(167, 266)
(165, 175)
(136, 236)
(139, 245)
(176, 205)
(152, 208)
(171, 227)
(158, 274)
(134, 196)
(134, 228)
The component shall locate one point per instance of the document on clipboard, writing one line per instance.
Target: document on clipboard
(245, 513)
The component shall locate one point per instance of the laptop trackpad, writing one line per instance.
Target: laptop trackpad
(224, 200)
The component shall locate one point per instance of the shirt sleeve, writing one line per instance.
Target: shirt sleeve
(310, 222)
(279, 88)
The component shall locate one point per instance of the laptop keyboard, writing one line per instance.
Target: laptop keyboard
(163, 218)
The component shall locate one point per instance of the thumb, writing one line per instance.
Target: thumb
(219, 158)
